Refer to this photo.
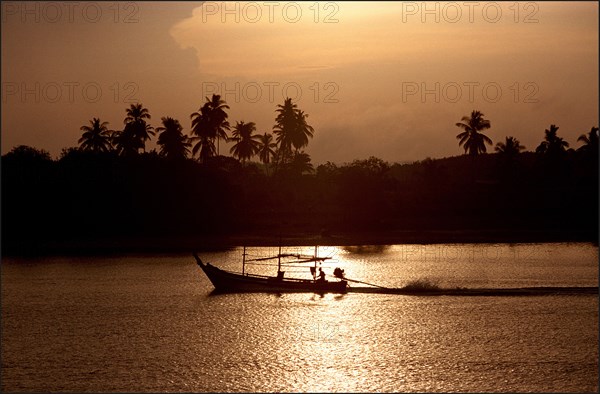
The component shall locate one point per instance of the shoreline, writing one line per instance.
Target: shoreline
(207, 243)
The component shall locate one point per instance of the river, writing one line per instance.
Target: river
(150, 323)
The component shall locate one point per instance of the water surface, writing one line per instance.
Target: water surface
(149, 323)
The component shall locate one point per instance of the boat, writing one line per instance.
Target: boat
(234, 282)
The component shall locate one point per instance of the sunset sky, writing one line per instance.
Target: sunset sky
(379, 79)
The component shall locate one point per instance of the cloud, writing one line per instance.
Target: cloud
(289, 39)
(372, 51)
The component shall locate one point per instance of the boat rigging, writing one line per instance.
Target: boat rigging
(238, 282)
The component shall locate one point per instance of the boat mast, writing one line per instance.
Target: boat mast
(279, 258)
(244, 260)
(316, 246)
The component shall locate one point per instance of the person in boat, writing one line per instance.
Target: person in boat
(338, 273)
(321, 275)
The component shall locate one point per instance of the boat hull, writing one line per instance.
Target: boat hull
(231, 282)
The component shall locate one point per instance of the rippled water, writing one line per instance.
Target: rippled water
(149, 323)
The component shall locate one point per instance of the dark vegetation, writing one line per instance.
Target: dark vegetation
(110, 192)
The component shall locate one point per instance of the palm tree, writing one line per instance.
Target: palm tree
(291, 129)
(508, 153)
(173, 143)
(553, 145)
(209, 124)
(301, 163)
(246, 144)
(96, 137)
(201, 134)
(218, 117)
(135, 123)
(266, 149)
(302, 131)
(285, 123)
(510, 148)
(473, 141)
(206, 146)
(125, 142)
(590, 141)
(136, 112)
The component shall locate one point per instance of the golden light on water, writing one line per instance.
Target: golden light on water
(167, 332)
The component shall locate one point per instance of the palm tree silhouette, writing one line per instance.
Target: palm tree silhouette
(302, 131)
(173, 143)
(301, 163)
(218, 117)
(246, 144)
(207, 149)
(590, 142)
(473, 141)
(201, 134)
(508, 153)
(135, 123)
(285, 122)
(266, 149)
(553, 145)
(125, 142)
(96, 137)
(208, 124)
(291, 129)
(510, 148)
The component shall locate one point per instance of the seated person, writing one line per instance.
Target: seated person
(321, 275)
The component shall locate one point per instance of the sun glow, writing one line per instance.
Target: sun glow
(284, 38)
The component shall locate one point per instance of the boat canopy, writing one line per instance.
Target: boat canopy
(300, 258)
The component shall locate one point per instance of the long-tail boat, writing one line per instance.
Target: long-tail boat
(228, 281)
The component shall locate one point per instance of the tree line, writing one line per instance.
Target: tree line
(109, 188)
(209, 125)
(553, 146)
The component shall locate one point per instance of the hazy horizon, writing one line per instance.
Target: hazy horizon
(387, 80)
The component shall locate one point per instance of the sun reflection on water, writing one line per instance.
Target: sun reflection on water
(151, 324)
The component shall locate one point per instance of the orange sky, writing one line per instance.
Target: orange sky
(388, 79)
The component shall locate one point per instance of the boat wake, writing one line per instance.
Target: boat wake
(461, 291)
